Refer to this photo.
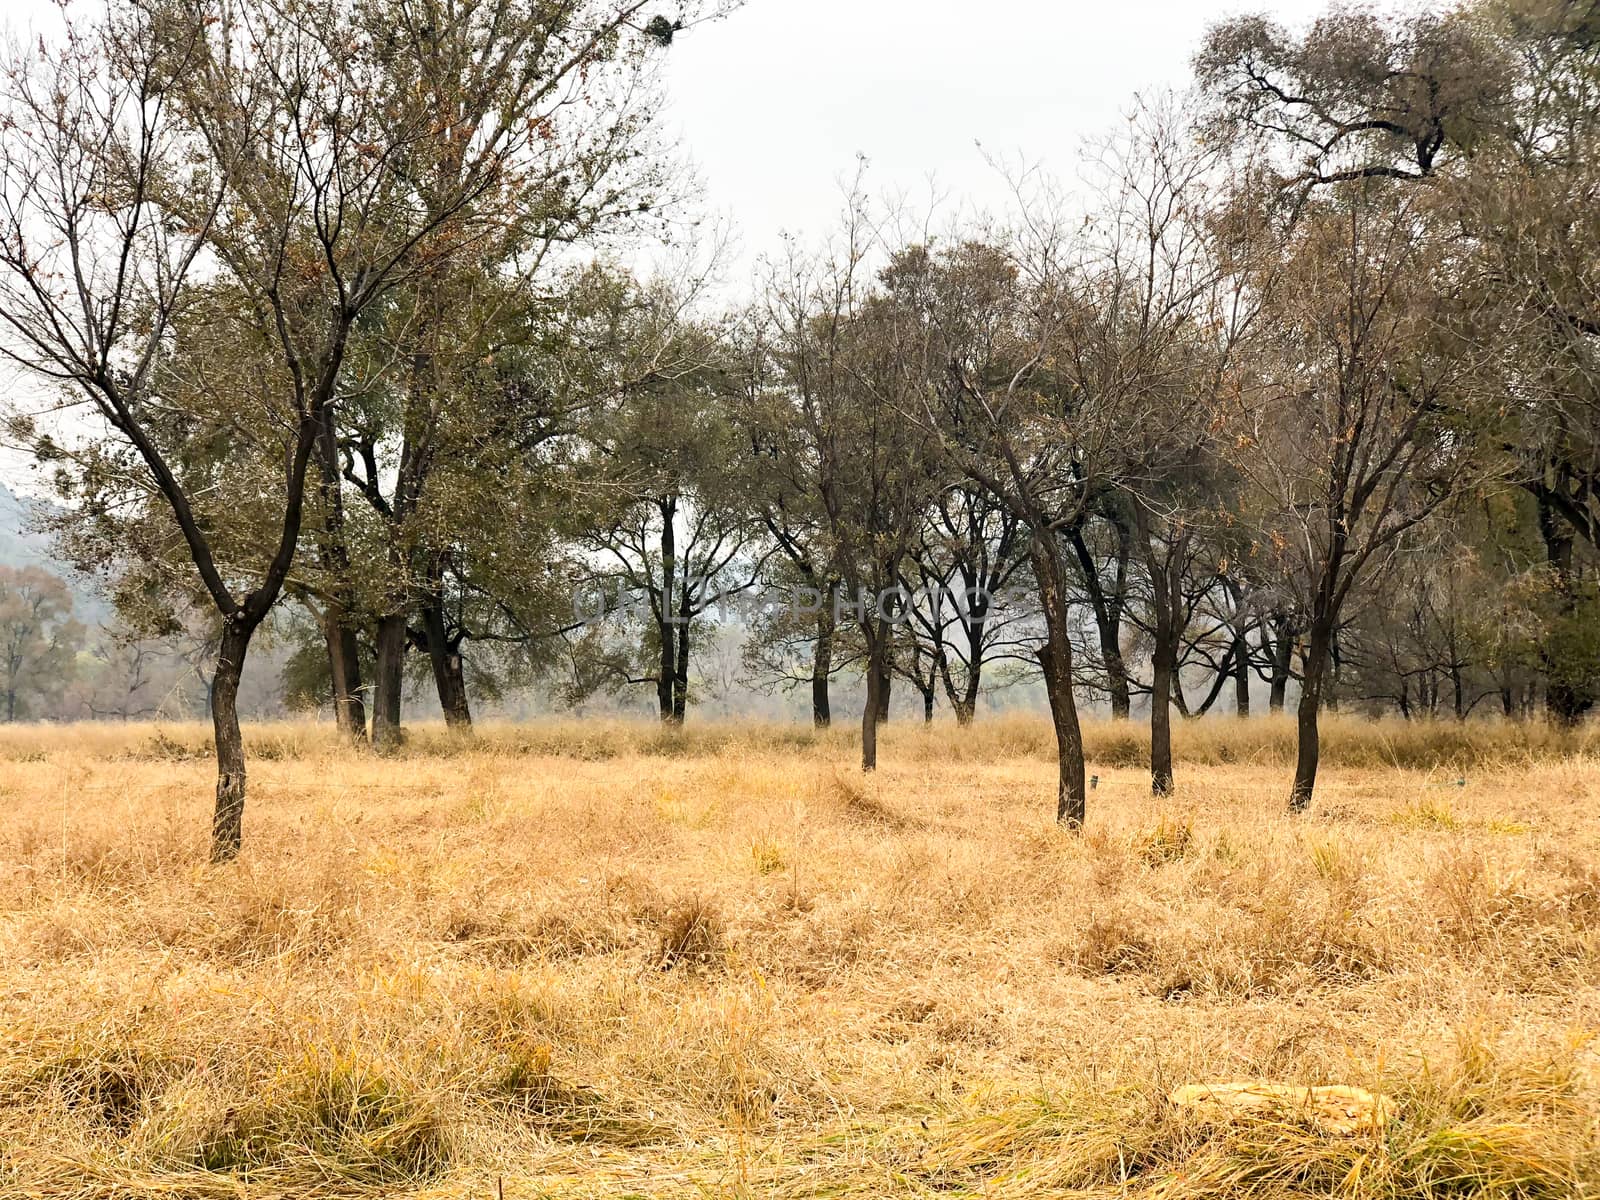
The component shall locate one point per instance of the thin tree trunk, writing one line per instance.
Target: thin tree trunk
(449, 674)
(822, 668)
(389, 681)
(680, 683)
(1282, 644)
(870, 718)
(1161, 714)
(1055, 658)
(964, 700)
(1166, 593)
(344, 667)
(344, 660)
(455, 669)
(227, 822)
(1308, 755)
(1241, 674)
(667, 670)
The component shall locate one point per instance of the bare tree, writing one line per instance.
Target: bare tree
(1350, 431)
(968, 574)
(849, 358)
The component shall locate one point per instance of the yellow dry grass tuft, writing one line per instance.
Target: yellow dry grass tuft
(611, 960)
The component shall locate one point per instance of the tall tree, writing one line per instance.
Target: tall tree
(1352, 431)
(783, 497)
(850, 357)
(671, 525)
(1170, 314)
(1011, 416)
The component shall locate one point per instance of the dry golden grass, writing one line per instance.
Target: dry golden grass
(608, 960)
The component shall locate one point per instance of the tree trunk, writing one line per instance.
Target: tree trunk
(1161, 718)
(927, 705)
(455, 669)
(227, 822)
(1309, 750)
(1241, 674)
(344, 660)
(1055, 658)
(389, 682)
(666, 672)
(1565, 703)
(680, 679)
(871, 710)
(1165, 572)
(1282, 644)
(966, 705)
(449, 674)
(1121, 693)
(344, 667)
(821, 669)
(885, 671)
(667, 669)
(1161, 715)
(964, 700)
(1108, 617)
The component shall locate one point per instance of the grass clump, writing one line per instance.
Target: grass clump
(691, 936)
(106, 1081)
(1167, 842)
(767, 857)
(1113, 946)
(334, 1113)
(1426, 814)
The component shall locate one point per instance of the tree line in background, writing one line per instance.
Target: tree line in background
(1302, 401)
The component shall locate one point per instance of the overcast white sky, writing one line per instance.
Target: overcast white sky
(774, 103)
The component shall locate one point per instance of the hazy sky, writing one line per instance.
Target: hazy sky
(774, 103)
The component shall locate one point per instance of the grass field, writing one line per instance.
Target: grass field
(607, 960)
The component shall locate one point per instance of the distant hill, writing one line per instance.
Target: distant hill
(21, 545)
